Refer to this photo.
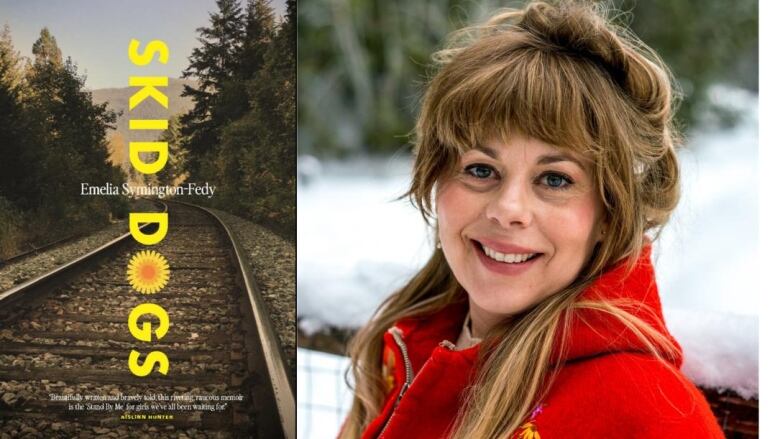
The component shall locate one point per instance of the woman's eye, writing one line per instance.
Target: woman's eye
(555, 180)
(480, 171)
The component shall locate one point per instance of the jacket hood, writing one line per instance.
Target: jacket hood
(587, 334)
(593, 332)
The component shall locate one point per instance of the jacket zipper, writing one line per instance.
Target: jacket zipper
(447, 344)
(398, 337)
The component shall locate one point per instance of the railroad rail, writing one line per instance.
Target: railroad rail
(66, 333)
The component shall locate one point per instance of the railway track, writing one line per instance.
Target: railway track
(66, 335)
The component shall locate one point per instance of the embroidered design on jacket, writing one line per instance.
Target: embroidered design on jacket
(388, 369)
(528, 430)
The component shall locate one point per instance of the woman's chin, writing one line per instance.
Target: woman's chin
(497, 305)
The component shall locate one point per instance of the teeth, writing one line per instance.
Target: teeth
(510, 258)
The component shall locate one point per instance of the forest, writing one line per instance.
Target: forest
(52, 138)
(238, 135)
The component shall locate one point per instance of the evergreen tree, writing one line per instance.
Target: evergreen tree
(175, 168)
(287, 69)
(215, 65)
(243, 122)
(10, 61)
(258, 38)
(11, 119)
(261, 145)
(46, 50)
(70, 138)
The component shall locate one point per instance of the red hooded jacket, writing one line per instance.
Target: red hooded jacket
(609, 385)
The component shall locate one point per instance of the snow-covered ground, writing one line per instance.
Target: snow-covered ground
(356, 245)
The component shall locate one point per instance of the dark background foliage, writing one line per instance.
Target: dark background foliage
(363, 63)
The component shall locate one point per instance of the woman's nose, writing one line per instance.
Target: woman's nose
(511, 206)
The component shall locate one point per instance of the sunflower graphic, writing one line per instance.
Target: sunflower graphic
(148, 272)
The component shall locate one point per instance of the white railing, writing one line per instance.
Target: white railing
(323, 395)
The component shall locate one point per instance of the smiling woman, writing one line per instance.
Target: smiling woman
(545, 158)
(517, 224)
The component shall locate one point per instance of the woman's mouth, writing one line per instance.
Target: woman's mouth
(504, 262)
(506, 258)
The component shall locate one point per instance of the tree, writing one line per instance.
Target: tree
(70, 145)
(243, 122)
(264, 139)
(215, 65)
(45, 49)
(11, 119)
(10, 61)
(177, 155)
(52, 139)
(258, 38)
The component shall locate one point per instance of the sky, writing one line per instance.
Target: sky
(96, 33)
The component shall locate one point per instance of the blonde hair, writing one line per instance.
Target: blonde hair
(561, 73)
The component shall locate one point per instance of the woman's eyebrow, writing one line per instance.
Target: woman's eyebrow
(562, 157)
(490, 152)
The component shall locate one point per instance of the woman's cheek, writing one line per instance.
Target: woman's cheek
(444, 197)
(450, 220)
(576, 220)
(454, 205)
(573, 227)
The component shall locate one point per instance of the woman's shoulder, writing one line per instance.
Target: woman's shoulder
(625, 395)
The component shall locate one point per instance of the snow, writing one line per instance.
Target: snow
(708, 255)
(356, 245)
(729, 357)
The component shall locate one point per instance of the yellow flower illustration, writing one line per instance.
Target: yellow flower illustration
(528, 431)
(148, 272)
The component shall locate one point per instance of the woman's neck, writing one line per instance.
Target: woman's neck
(482, 321)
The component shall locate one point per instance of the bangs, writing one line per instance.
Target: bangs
(500, 87)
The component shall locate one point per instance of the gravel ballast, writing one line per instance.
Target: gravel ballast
(273, 263)
(272, 258)
(35, 265)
